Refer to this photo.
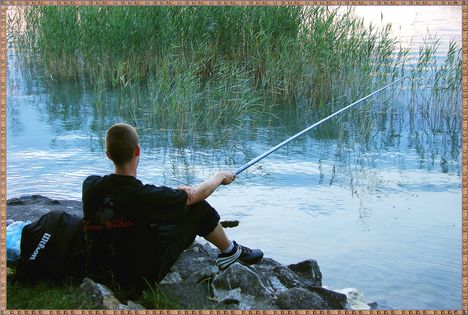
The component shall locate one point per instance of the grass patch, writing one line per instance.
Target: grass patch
(155, 298)
(46, 295)
(67, 294)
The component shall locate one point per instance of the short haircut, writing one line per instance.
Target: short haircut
(121, 142)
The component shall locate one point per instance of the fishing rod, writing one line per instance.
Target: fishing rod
(265, 154)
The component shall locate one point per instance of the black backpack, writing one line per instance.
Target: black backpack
(52, 248)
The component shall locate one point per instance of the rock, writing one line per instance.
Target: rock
(190, 278)
(33, 207)
(134, 306)
(382, 305)
(233, 296)
(207, 249)
(205, 274)
(189, 294)
(334, 300)
(252, 293)
(286, 277)
(15, 202)
(239, 276)
(373, 305)
(355, 299)
(300, 298)
(52, 202)
(102, 296)
(191, 262)
(276, 284)
(309, 270)
(172, 277)
(229, 224)
(276, 275)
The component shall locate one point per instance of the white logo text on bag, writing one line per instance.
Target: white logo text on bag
(42, 244)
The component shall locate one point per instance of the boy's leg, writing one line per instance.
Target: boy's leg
(218, 238)
(200, 219)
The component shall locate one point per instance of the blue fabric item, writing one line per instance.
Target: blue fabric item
(13, 239)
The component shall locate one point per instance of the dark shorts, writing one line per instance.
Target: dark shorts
(200, 219)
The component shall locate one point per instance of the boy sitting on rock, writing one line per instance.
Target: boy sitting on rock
(135, 232)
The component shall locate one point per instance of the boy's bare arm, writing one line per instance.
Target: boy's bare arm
(205, 189)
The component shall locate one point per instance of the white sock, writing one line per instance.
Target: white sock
(229, 248)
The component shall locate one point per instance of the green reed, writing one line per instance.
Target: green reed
(435, 101)
(286, 51)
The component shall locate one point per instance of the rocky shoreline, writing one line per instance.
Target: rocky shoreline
(197, 283)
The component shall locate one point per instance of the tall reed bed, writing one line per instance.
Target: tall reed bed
(285, 51)
(195, 67)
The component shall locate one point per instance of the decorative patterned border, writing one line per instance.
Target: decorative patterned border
(3, 55)
(465, 158)
(234, 312)
(3, 269)
(232, 2)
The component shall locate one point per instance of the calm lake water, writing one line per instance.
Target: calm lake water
(380, 212)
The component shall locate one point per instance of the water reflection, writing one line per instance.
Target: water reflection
(357, 140)
(411, 25)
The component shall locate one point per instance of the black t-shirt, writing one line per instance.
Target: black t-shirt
(121, 217)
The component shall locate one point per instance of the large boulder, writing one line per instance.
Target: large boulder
(333, 299)
(240, 285)
(300, 298)
(190, 279)
(309, 271)
(240, 276)
(189, 294)
(103, 297)
(195, 262)
(276, 275)
(355, 299)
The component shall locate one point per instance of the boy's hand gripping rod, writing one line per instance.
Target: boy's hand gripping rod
(260, 157)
